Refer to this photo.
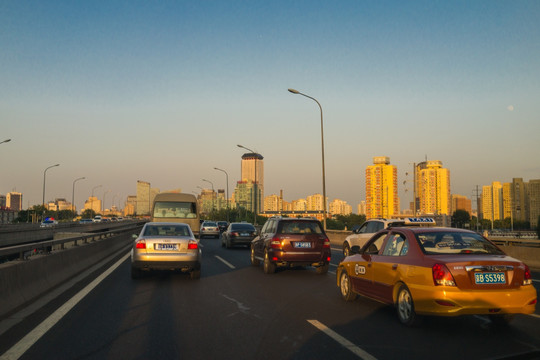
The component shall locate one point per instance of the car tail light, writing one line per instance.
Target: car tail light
(192, 245)
(527, 278)
(326, 243)
(141, 244)
(442, 276)
(276, 243)
(328, 259)
(234, 233)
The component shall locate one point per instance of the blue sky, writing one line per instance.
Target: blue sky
(120, 91)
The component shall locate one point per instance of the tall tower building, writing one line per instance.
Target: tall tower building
(520, 200)
(433, 188)
(381, 189)
(507, 200)
(534, 202)
(14, 201)
(492, 201)
(253, 172)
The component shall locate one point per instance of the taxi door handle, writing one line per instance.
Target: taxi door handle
(394, 267)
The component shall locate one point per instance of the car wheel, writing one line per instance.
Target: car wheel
(322, 269)
(195, 274)
(345, 287)
(346, 250)
(268, 266)
(254, 260)
(405, 307)
(501, 320)
(136, 273)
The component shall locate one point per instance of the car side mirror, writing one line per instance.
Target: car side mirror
(355, 249)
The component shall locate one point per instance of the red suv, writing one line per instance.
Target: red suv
(289, 242)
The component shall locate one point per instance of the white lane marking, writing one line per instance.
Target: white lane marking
(534, 315)
(32, 337)
(538, 281)
(332, 272)
(225, 262)
(333, 265)
(342, 341)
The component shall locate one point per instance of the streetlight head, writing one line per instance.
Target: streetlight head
(294, 91)
(240, 146)
(57, 165)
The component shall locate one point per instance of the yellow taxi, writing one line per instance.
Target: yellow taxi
(437, 271)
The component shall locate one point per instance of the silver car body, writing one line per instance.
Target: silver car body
(166, 246)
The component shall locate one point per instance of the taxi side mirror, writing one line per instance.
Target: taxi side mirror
(355, 250)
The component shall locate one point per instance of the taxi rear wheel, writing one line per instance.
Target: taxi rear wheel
(405, 307)
(345, 287)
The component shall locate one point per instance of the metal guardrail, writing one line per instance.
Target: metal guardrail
(23, 252)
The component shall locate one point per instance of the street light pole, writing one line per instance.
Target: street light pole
(103, 205)
(44, 172)
(227, 200)
(255, 188)
(73, 194)
(322, 149)
(213, 192)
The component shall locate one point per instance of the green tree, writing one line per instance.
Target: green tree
(88, 214)
(460, 218)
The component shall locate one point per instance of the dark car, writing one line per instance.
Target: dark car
(238, 234)
(222, 225)
(290, 242)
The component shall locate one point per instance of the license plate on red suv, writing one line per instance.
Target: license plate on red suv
(302, 244)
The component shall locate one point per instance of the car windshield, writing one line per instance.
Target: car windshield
(246, 227)
(300, 227)
(166, 230)
(437, 243)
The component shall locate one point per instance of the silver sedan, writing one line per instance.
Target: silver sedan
(166, 246)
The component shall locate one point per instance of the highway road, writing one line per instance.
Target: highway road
(235, 311)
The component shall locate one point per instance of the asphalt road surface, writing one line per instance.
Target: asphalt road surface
(235, 311)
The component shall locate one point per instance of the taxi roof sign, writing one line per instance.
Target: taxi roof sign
(419, 221)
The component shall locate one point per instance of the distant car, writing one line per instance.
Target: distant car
(86, 221)
(362, 234)
(222, 225)
(166, 246)
(209, 228)
(238, 234)
(48, 223)
(98, 218)
(290, 242)
(437, 271)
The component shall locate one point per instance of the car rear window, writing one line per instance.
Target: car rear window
(300, 227)
(207, 223)
(437, 243)
(166, 230)
(242, 227)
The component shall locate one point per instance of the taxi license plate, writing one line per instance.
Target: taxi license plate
(490, 278)
(166, 247)
(302, 244)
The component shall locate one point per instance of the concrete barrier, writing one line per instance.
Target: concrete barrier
(529, 255)
(24, 281)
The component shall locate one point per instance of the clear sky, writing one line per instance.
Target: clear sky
(163, 91)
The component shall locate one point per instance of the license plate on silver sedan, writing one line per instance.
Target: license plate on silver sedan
(490, 278)
(167, 247)
(302, 244)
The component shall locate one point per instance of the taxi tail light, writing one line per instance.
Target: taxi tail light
(442, 276)
(276, 243)
(141, 244)
(192, 245)
(326, 243)
(527, 277)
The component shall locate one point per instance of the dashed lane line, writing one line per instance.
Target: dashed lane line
(225, 262)
(362, 354)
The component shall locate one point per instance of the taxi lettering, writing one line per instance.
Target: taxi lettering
(359, 270)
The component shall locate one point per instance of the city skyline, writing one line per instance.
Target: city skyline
(116, 92)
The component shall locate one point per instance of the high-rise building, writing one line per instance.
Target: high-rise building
(129, 206)
(520, 200)
(381, 189)
(534, 202)
(460, 202)
(93, 203)
(145, 198)
(432, 188)
(339, 207)
(315, 202)
(507, 200)
(252, 170)
(492, 201)
(14, 201)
